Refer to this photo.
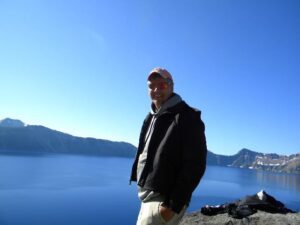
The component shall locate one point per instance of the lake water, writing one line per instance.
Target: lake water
(82, 190)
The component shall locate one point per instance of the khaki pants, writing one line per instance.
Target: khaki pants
(149, 215)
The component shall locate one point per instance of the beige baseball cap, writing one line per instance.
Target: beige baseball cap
(162, 72)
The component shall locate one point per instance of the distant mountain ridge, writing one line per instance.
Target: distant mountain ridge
(11, 123)
(15, 136)
(246, 158)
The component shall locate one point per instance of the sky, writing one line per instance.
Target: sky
(81, 67)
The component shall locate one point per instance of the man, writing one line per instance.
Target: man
(171, 156)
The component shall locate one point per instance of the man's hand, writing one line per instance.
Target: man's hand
(166, 213)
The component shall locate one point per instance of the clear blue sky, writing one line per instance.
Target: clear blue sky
(81, 66)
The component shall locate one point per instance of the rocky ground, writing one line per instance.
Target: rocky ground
(259, 218)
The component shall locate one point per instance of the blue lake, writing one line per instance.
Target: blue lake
(83, 190)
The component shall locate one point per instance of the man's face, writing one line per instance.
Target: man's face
(159, 90)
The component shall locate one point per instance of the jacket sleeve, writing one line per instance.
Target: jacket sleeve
(194, 151)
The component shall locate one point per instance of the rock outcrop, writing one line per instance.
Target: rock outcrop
(259, 218)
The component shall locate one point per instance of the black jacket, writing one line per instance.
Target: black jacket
(176, 157)
(248, 206)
